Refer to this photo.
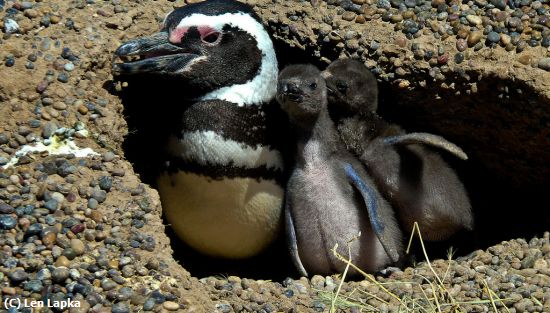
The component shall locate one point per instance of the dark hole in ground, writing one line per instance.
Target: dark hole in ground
(506, 135)
(504, 209)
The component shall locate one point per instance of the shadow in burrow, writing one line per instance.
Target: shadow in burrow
(504, 128)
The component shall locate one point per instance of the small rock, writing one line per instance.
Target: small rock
(69, 67)
(107, 284)
(10, 61)
(7, 222)
(49, 129)
(493, 37)
(544, 64)
(60, 274)
(51, 205)
(171, 306)
(44, 274)
(348, 16)
(105, 183)
(474, 38)
(78, 246)
(224, 307)
(6, 208)
(59, 105)
(18, 276)
(63, 77)
(474, 19)
(149, 304)
(505, 39)
(92, 203)
(10, 26)
(120, 307)
(33, 285)
(461, 45)
(442, 59)
(62, 261)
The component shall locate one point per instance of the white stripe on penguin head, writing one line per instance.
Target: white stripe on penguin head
(262, 88)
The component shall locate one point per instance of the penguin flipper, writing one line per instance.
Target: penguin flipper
(370, 196)
(292, 243)
(427, 139)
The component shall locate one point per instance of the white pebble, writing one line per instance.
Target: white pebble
(10, 26)
(69, 67)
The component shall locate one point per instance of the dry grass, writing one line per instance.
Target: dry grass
(436, 296)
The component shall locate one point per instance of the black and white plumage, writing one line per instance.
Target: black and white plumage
(330, 197)
(222, 186)
(407, 170)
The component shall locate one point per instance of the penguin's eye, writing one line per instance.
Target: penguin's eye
(313, 86)
(341, 86)
(211, 38)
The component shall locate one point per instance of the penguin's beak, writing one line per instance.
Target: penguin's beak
(157, 54)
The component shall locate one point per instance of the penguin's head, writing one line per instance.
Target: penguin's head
(218, 49)
(351, 87)
(302, 94)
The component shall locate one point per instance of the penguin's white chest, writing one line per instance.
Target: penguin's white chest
(231, 217)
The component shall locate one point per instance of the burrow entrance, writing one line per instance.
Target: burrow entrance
(504, 127)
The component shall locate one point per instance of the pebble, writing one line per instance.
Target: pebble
(171, 306)
(224, 307)
(31, 13)
(474, 38)
(505, 39)
(461, 45)
(59, 105)
(78, 246)
(10, 26)
(544, 64)
(7, 222)
(6, 208)
(60, 274)
(348, 16)
(49, 238)
(10, 61)
(493, 37)
(69, 66)
(63, 77)
(120, 307)
(474, 19)
(108, 284)
(33, 285)
(459, 57)
(44, 274)
(92, 203)
(149, 304)
(18, 276)
(82, 109)
(51, 205)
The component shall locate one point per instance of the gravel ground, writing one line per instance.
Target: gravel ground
(83, 226)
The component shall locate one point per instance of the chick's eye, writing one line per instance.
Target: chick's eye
(313, 86)
(211, 38)
(341, 86)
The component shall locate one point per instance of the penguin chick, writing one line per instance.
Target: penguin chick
(330, 198)
(414, 178)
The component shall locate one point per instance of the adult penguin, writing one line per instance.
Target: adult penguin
(221, 185)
